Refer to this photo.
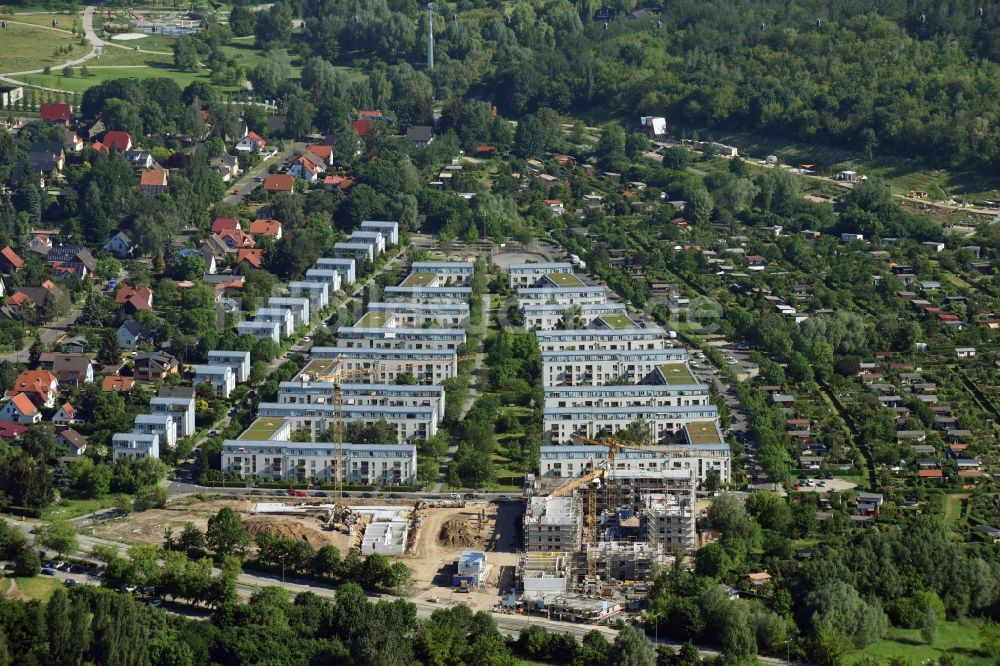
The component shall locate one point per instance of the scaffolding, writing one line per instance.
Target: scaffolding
(553, 524)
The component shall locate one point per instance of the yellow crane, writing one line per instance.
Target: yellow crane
(337, 376)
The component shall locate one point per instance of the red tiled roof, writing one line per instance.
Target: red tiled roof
(143, 295)
(153, 178)
(342, 182)
(239, 238)
(12, 257)
(322, 152)
(24, 404)
(264, 227)
(220, 224)
(930, 474)
(279, 182)
(361, 126)
(10, 430)
(118, 139)
(117, 383)
(55, 111)
(253, 257)
(253, 136)
(370, 113)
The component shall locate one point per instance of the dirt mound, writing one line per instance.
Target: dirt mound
(286, 529)
(460, 532)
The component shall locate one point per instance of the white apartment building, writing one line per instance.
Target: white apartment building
(421, 294)
(575, 368)
(318, 293)
(262, 330)
(412, 423)
(401, 338)
(589, 339)
(526, 275)
(283, 318)
(359, 252)
(374, 237)
(416, 315)
(328, 276)
(453, 272)
(389, 229)
(626, 395)
(560, 424)
(363, 464)
(161, 424)
(577, 459)
(561, 295)
(239, 361)
(386, 365)
(221, 378)
(550, 316)
(182, 409)
(299, 307)
(343, 265)
(306, 392)
(135, 445)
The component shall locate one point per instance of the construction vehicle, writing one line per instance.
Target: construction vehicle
(338, 376)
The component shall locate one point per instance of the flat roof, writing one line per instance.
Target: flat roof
(617, 321)
(320, 366)
(418, 279)
(374, 319)
(703, 432)
(262, 428)
(565, 280)
(676, 373)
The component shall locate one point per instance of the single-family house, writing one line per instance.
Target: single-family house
(73, 369)
(120, 246)
(20, 409)
(76, 258)
(249, 258)
(119, 140)
(41, 386)
(236, 239)
(152, 182)
(10, 262)
(277, 183)
(870, 504)
(56, 113)
(66, 416)
(131, 334)
(133, 299)
(72, 440)
(305, 169)
(117, 384)
(251, 143)
(420, 135)
(154, 366)
(323, 152)
(265, 227)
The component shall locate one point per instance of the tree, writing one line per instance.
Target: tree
(110, 352)
(274, 27)
(676, 158)
(929, 626)
(632, 648)
(185, 54)
(57, 535)
(242, 20)
(35, 352)
(27, 563)
(191, 538)
(39, 441)
(226, 534)
(531, 136)
(700, 204)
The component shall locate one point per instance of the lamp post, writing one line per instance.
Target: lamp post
(282, 558)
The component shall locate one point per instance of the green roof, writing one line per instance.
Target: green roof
(320, 366)
(703, 432)
(262, 429)
(617, 321)
(374, 320)
(564, 280)
(418, 279)
(676, 373)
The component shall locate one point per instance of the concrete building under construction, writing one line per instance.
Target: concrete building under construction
(552, 524)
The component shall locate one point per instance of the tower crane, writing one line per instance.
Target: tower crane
(338, 376)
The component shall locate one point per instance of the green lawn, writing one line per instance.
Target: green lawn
(99, 75)
(39, 587)
(960, 639)
(953, 509)
(74, 508)
(26, 48)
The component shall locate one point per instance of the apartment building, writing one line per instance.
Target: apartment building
(318, 293)
(576, 459)
(552, 316)
(343, 265)
(588, 339)
(553, 524)
(363, 464)
(328, 276)
(426, 294)
(161, 424)
(526, 275)
(386, 365)
(308, 392)
(452, 272)
(134, 446)
(581, 295)
(359, 252)
(239, 361)
(182, 410)
(299, 307)
(401, 338)
(575, 368)
(416, 315)
(560, 424)
(221, 378)
(374, 237)
(625, 395)
(262, 330)
(412, 423)
(388, 229)
(283, 318)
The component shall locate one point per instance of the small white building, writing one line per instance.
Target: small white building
(318, 293)
(220, 377)
(328, 276)
(239, 361)
(299, 307)
(182, 409)
(279, 316)
(161, 424)
(965, 352)
(135, 445)
(343, 265)
(387, 228)
(262, 330)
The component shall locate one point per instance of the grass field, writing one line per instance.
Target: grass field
(99, 74)
(44, 19)
(960, 639)
(26, 48)
(953, 509)
(73, 508)
(39, 587)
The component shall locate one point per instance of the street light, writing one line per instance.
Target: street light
(282, 558)
(788, 643)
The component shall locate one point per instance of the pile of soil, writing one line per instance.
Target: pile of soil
(460, 532)
(286, 529)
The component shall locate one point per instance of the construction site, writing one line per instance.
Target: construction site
(593, 543)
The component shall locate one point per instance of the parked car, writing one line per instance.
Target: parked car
(49, 572)
(320, 493)
(367, 495)
(455, 496)
(469, 496)
(71, 582)
(280, 493)
(295, 492)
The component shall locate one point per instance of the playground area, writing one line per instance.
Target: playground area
(133, 23)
